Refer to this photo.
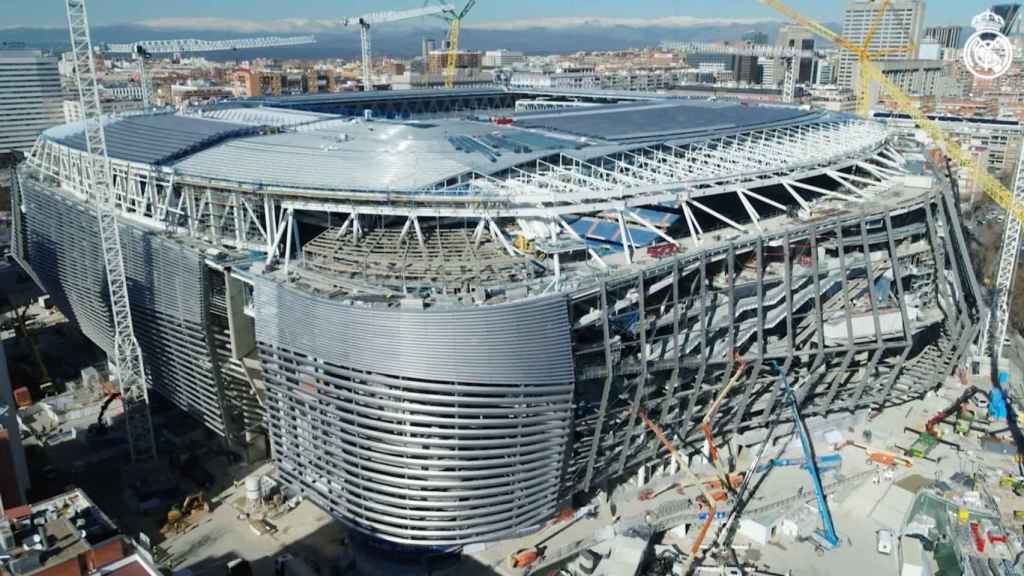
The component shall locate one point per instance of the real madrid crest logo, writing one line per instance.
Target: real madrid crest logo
(988, 54)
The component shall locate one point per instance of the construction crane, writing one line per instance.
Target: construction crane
(144, 50)
(374, 18)
(993, 337)
(454, 19)
(127, 368)
(827, 535)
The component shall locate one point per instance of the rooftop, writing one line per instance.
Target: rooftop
(273, 145)
(54, 531)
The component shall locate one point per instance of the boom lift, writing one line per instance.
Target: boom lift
(126, 356)
(705, 424)
(827, 535)
(709, 497)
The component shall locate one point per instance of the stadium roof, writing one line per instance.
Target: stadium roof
(159, 139)
(667, 119)
(286, 147)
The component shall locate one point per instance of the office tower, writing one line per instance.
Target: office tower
(30, 97)
(946, 36)
(798, 37)
(901, 26)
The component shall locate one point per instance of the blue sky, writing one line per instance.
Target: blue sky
(50, 12)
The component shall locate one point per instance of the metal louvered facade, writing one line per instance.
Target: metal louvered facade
(428, 428)
(167, 288)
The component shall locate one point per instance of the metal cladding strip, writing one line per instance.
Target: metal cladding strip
(432, 428)
(165, 287)
(63, 249)
(479, 345)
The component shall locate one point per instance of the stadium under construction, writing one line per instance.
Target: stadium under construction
(446, 316)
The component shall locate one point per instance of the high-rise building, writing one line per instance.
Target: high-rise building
(30, 97)
(755, 37)
(428, 46)
(502, 58)
(901, 26)
(946, 36)
(746, 70)
(826, 73)
(1009, 14)
(798, 37)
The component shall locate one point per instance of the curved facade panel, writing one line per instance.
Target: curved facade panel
(425, 428)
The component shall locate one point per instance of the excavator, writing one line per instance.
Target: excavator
(100, 428)
(179, 518)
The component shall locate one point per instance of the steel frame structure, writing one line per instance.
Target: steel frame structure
(802, 243)
(550, 189)
(126, 355)
(192, 45)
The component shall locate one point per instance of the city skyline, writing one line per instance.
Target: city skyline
(265, 15)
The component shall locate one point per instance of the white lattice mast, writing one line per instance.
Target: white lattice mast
(374, 18)
(127, 366)
(1005, 273)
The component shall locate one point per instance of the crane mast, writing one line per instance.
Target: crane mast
(995, 337)
(454, 19)
(373, 18)
(127, 367)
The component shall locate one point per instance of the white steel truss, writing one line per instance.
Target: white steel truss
(694, 179)
(127, 355)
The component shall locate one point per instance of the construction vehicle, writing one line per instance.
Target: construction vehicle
(526, 557)
(826, 537)
(373, 19)
(705, 424)
(713, 483)
(957, 407)
(454, 19)
(180, 518)
(708, 498)
(99, 428)
(145, 49)
(126, 355)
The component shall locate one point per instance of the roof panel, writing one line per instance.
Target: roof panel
(666, 119)
(159, 139)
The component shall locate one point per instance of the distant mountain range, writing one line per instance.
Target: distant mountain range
(405, 41)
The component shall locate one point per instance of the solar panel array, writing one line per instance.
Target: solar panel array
(160, 139)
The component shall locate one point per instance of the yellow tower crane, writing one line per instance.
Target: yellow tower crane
(991, 186)
(454, 19)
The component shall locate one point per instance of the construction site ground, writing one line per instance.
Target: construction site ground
(862, 499)
(860, 505)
